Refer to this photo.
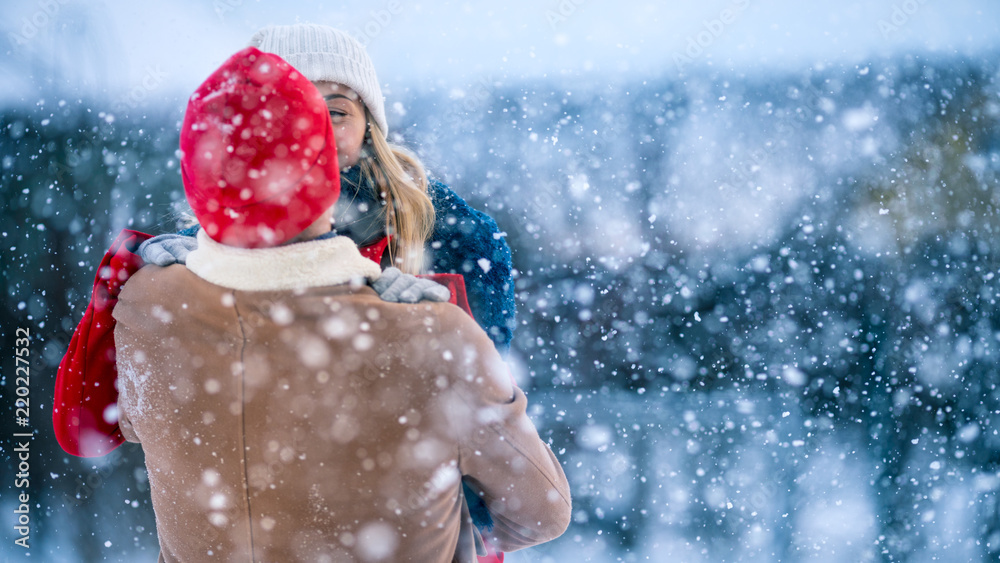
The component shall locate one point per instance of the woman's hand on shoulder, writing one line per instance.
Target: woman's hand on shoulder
(164, 250)
(393, 286)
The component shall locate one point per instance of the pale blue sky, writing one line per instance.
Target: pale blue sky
(113, 47)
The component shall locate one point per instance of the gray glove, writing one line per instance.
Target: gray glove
(164, 250)
(396, 287)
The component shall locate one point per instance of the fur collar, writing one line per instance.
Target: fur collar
(314, 263)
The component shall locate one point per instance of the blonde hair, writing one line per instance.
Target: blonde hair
(399, 178)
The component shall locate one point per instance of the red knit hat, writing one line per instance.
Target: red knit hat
(259, 160)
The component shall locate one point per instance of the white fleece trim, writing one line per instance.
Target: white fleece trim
(300, 265)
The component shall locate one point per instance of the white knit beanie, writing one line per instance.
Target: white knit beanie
(323, 53)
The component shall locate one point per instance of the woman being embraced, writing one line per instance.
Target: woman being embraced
(387, 205)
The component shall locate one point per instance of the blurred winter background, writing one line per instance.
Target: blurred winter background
(756, 242)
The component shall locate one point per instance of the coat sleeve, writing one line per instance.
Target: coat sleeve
(501, 456)
(468, 242)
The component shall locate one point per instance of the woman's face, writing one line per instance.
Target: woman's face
(348, 115)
